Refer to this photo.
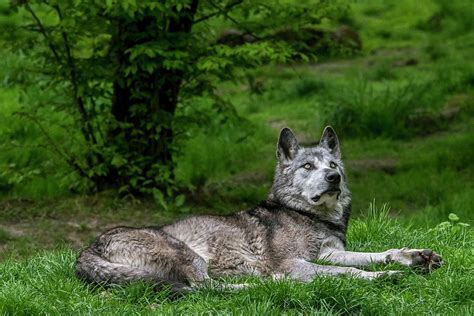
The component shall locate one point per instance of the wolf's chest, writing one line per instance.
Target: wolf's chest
(237, 252)
(297, 243)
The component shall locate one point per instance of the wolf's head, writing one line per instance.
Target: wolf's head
(310, 179)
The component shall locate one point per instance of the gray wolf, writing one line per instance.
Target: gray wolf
(304, 218)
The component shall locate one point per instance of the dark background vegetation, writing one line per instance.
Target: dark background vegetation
(139, 112)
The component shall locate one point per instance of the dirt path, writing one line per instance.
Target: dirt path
(73, 222)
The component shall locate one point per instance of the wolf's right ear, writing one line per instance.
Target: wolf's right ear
(287, 145)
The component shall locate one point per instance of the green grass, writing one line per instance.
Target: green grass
(428, 173)
(45, 283)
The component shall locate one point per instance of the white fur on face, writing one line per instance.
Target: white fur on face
(316, 184)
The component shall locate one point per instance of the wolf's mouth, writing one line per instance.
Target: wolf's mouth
(330, 192)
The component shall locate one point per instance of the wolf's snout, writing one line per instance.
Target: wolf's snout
(333, 177)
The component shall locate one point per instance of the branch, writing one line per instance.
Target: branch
(86, 129)
(43, 31)
(226, 8)
(99, 129)
(226, 14)
(12, 146)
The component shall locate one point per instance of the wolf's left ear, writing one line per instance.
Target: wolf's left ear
(329, 140)
(287, 145)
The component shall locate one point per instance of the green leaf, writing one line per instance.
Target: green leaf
(160, 198)
(179, 201)
(118, 161)
(453, 217)
(123, 188)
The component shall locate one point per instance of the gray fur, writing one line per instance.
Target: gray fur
(304, 218)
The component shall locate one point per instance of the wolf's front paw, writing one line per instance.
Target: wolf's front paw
(424, 258)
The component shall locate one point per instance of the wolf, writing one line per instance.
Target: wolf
(304, 218)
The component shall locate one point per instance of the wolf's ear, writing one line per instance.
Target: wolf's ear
(329, 140)
(287, 145)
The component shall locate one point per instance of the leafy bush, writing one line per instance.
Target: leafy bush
(124, 75)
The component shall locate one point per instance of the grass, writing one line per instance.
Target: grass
(45, 283)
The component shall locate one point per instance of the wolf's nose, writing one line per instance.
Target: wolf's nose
(333, 177)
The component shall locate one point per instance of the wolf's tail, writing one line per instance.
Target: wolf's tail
(93, 268)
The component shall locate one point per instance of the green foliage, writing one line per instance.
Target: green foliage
(125, 73)
(453, 223)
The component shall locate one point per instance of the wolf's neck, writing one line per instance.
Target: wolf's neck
(336, 221)
(322, 212)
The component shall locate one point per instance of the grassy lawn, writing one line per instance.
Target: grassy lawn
(45, 283)
(404, 111)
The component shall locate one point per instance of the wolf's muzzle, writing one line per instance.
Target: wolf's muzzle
(330, 192)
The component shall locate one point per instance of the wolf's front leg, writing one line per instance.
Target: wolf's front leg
(303, 270)
(425, 258)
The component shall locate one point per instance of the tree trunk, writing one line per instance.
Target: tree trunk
(144, 103)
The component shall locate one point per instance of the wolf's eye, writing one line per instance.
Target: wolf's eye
(333, 165)
(308, 166)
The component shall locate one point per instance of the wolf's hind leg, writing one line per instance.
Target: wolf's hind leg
(149, 255)
(93, 268)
